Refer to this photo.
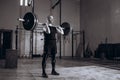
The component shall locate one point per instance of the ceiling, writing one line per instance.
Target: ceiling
(77, 0)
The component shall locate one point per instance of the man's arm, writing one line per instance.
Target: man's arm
(46, 28)
(60, 30)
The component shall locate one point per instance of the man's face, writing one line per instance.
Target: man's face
(51, 19)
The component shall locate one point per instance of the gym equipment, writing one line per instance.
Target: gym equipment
(30, 21)
(66, 28)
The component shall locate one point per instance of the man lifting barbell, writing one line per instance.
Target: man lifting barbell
(50, 48)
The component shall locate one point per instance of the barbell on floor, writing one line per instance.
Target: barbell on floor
(30, 21)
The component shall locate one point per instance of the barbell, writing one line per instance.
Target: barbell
(30, 21)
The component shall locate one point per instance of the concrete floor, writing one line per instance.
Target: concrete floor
(69, 69)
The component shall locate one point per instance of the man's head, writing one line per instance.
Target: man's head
(50, 19)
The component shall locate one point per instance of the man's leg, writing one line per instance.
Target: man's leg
(53, 65)
(45, 56)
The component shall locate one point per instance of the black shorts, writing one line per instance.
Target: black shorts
(51, 47)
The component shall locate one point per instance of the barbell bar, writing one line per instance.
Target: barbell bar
(22, 20)
(30, 21)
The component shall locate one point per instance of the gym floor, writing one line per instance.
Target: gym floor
(69, 69)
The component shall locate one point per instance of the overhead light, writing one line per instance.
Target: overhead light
(30, 2)
(21, 2)
(26, 2)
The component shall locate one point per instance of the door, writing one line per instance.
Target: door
(5, 43)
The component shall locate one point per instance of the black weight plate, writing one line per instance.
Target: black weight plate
(66, 28)
(29, 22)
